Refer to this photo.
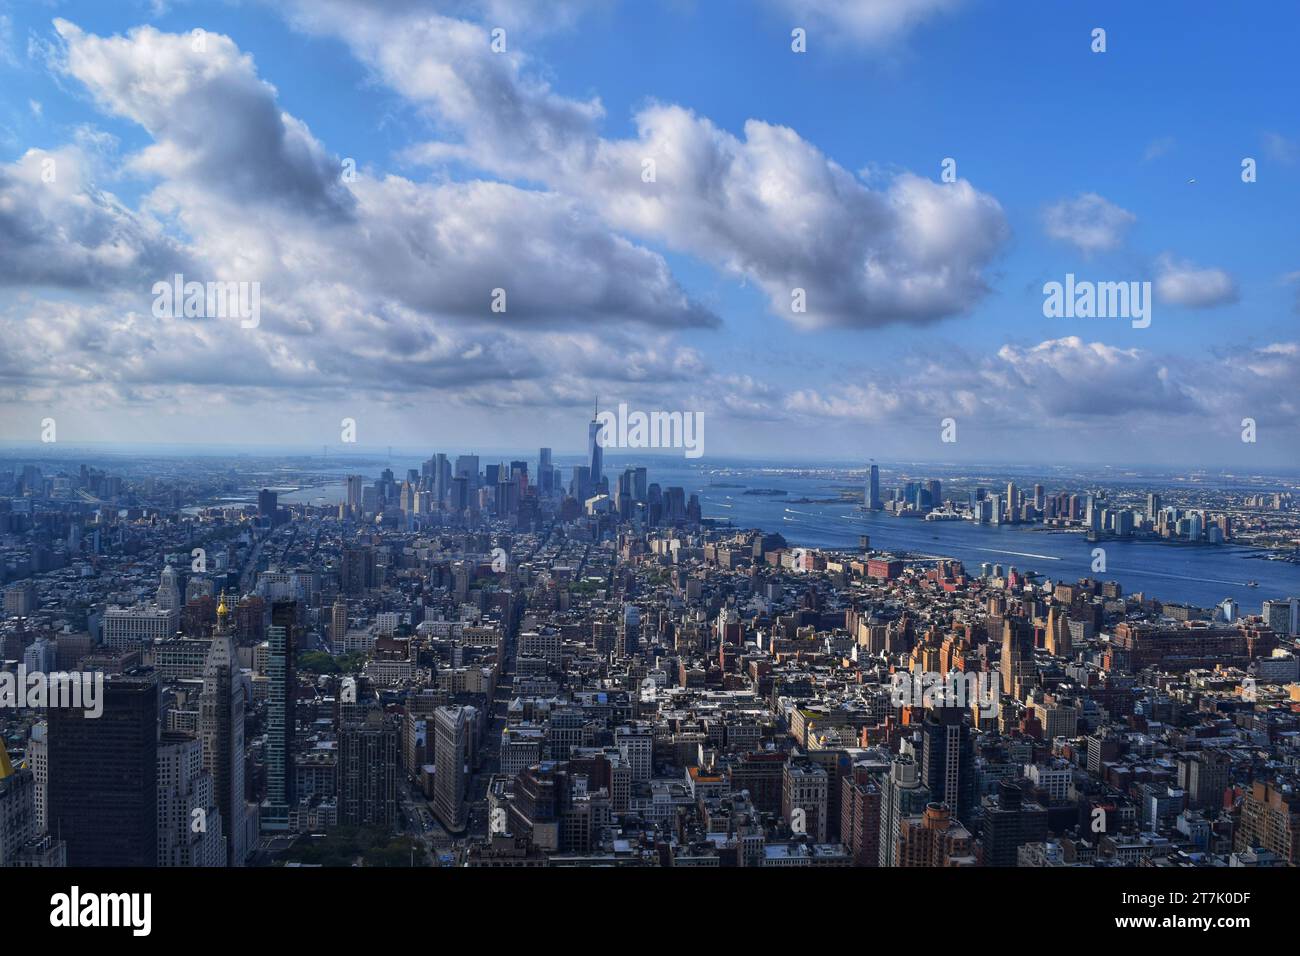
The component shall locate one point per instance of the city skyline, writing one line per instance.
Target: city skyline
(635, 437)
(921, 249)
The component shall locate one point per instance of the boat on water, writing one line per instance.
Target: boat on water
(1252, 584)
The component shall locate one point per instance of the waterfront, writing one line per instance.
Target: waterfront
(1203, 575)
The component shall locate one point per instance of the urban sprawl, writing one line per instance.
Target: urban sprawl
(486, 665)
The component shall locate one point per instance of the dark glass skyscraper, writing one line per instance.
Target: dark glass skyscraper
(948, 759)
(103, 775)
(872, 501)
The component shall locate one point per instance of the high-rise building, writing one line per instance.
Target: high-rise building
(441, 480)
(267, 503)
(221, 731)
(804, 798)
(1270, 818)
(545, 473)
(17, 808)
(860, 807)
(1204, 776)
(103, 789)
(126, 628)
(280, 706)
(190, 827)
(1010, 821)
(595, 455)
(872, 497)
(20, 599)
(23, 841)
(631, 630)
(904, 795)
(356, 494)
(948, 759)
(338, 622)
(934, 838)
(452, 749)
(467, 467)
(357, 571)
(367, 771)
(1058, 633)
(169, 590)
(1017, 653)
(38, 761)
(1283, 616)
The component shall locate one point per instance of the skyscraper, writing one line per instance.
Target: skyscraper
(280, 698)
(221, 731)
(904, 795)
(1058, 633)
(190, 827)
(451, 750)
(267, 503)
(595, 454)
(367, 771)
(103, 789)
(1017, 653)
(356, 489)
(948, 759)
(872, 498)
(545, 473)
(169, 591)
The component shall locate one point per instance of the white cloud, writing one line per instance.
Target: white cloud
(1088, 222)
(58, 229)
(1182, 283)
(767, 207)
(1064, 384)
(868, 22)
(381, 286)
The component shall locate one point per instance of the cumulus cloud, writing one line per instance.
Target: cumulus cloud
(378, 286)
(768, 207)
(58, 229)
(213, 121)
(1180, 282)
(1088, 222)
(1067, 382)
(773, 209)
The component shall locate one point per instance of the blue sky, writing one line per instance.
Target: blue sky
(1046, 134)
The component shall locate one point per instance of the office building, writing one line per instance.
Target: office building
(103, 788)
(280, 716)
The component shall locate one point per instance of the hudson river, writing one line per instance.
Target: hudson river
(1200, 575)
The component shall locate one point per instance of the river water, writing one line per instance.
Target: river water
(1200, 575)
